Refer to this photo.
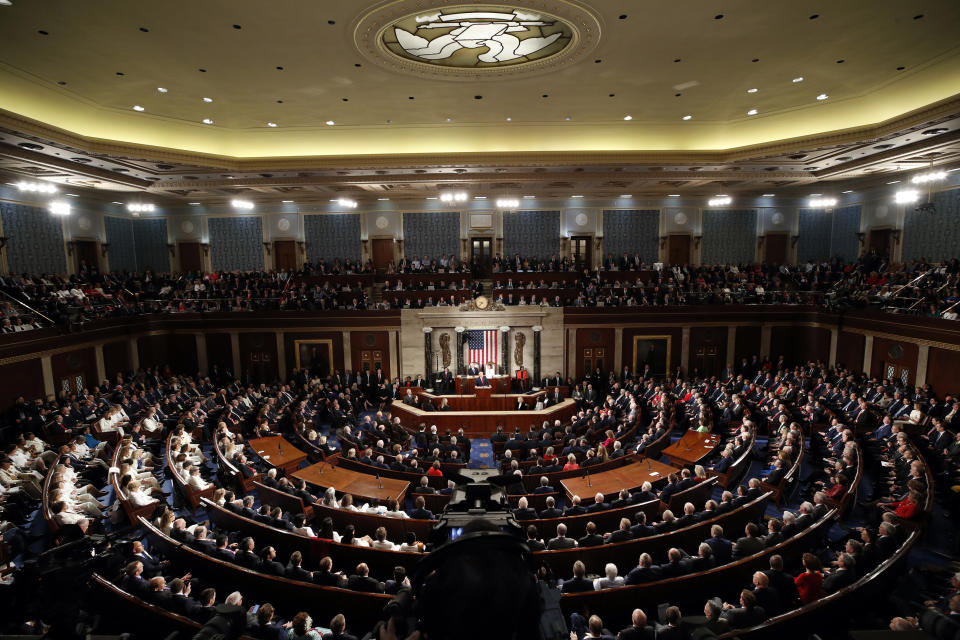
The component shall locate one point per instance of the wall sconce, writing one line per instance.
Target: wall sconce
(302, 246)
(663, 241)
(793, 241)
(861, 237)
(70, 247)
(696, 241)
(104, 249)
(206, 248)
(173, 249)
(266, 247)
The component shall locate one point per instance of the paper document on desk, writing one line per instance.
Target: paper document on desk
(654, 473)
(266, 457)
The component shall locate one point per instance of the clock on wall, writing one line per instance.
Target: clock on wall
(482, 302)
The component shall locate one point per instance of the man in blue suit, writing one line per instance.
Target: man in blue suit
(482, 381)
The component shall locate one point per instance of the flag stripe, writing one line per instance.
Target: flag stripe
(482, 346)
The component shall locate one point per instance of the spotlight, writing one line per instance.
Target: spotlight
(931, 176)
(244, 205)
(719, 201)
(60, 208)
(907, 196)
(140, 207)
(454, 196)
(347, 203)
(38, 187)
(507, 203)
(822, 203)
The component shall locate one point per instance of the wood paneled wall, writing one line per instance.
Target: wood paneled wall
(943, 371)
(850, 347)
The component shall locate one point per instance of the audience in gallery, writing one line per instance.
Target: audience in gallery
(36, 300)
(857, 414)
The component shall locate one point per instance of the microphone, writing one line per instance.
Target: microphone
(649, 465)
(379, 482)
(280, 446)
(589, 483)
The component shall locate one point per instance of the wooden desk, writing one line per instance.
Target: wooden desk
(269, 449)
(691, 448)
(609, 483)
(481, 422)
(363, 486)
(498, 384)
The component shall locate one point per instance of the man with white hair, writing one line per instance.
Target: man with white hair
(610, 579)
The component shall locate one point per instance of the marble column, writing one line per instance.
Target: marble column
(202, 364)
(923, 359)
(685, 349)
(347, 352)
(867, 354)
(537, 330)
(732, 346)
(101, 367)
(460, 341)
(133, 355)
(282, 357)
(428, 353)
(46, 367)
(834, 337)
(618, 350)
(765, 332)
(235, 354)
(505, 350)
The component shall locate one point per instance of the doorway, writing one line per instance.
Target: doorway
(678, 250)
(87, 254)
(285, 255)
(581, 249)
(653, 351)
(381, 250)
(191, 256)
(775, 248)
(482, 250)
(894, 372)
(880, 242)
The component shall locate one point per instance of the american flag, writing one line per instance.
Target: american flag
(482, 346)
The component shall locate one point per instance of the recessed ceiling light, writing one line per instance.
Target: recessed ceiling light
(568, 118)
(208, 99)
(893, 182)
(207, 121)
(72, 195)
(673, 195)
(115, 202)
(193, 204)
(383, 199)
(822, 96)
(287, 201)
(769, 195)
(754, 90)
(449, 119)
(509, 119)
(686, 117)
(479, 197)
(814, 195)
(137, 107)
(330, 123)
(577, 196)
(271, 124)
(626, 195)
(628, 117)
(529, 197)
(9, 3)
(162, 89)
(847, 191)
(798, 79)
(431, 198)
(752, 112)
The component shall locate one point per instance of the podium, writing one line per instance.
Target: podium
(466, 384)
(483, 392)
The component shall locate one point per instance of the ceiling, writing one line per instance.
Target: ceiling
(71, 72)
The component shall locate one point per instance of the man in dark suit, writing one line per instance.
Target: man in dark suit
(575, 508)
(544, 486)
(782, 583)
(722, 548)
(747, 614)
(269, 564)
(644, 572)
(842, 576)
(361, 581)
(419, 511)
(642, 529)
(535, 543)
(524, 511)
(578, 583)
(482, 380)
(591, 538)
(551, 510)
(598, 504)
(561, 541)
(180, 600)
(473, 370)
(294, 571)
(639, 629)
(245, 557)
(622, 534)
(748, 544)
